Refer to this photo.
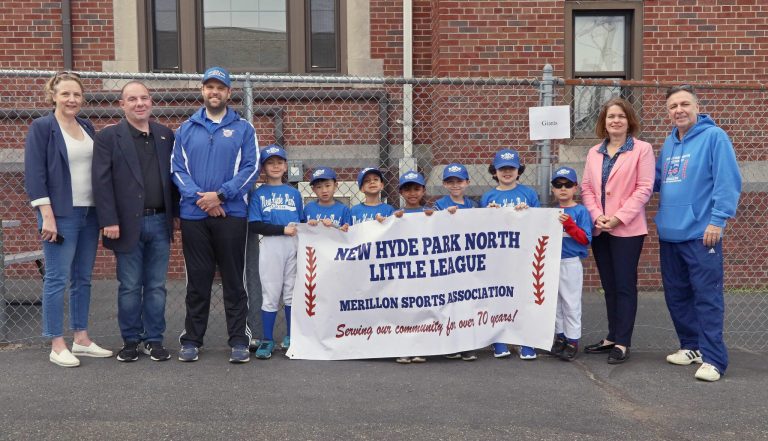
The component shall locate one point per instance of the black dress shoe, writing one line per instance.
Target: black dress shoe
(617, 356)
(599, 348)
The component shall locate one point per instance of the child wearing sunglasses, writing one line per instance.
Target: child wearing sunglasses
(577, 234)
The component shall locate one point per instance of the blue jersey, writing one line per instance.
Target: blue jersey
(446, 201)
(276, 205)
(509, 198)
(338, 213)
(414, 210)
(583, 220)
(364, 213)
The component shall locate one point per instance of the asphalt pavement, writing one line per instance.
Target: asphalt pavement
(545, 399)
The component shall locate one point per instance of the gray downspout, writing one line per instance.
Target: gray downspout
(66, 33)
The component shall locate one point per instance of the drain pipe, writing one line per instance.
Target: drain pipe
(408, 162)
(66, 33)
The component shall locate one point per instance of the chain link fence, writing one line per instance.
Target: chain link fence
(395, 124)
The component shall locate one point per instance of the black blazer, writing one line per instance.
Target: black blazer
(118, 185)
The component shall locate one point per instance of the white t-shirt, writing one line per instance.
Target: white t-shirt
(80, 155)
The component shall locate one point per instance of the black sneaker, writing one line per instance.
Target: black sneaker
(558, 346)
(155, 350)
(129, 352)
(569, 352)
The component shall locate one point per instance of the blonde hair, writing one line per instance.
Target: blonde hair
(50, 86)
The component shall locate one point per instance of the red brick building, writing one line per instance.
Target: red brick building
(702, 41)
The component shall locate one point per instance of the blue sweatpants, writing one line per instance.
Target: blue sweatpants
(693, 288)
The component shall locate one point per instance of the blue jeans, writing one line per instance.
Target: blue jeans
(72, 261)
(141, 273)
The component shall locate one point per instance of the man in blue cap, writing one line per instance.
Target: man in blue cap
(214, 164)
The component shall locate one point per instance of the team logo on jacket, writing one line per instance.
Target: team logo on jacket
(228, 133)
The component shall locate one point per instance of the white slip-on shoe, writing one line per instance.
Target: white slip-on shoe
(93, 350)
(64, 358)
(684, 357)
(707, 372)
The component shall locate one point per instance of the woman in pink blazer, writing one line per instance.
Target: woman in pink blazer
(616, 185)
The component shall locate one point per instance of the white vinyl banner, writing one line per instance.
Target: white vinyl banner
(427, 285)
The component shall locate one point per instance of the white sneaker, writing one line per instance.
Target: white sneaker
(403, 360)
(93, 350)
(64, 358)
(684, 357)
(707, 372)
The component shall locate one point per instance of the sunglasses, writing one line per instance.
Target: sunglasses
(567, 184)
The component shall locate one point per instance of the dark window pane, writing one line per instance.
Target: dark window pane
(165, 32)
(246, 34)
(323, 34)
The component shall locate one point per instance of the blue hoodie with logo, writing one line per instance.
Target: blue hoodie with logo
(699, 182)
(215, 157)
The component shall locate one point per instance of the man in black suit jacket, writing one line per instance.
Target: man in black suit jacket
(136, 204)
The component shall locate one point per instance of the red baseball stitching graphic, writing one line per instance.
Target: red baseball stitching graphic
(538, 269)
(309, 295)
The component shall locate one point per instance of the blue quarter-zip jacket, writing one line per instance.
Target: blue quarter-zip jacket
(215, 157)
(699, 182)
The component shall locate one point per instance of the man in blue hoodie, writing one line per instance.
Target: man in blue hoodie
(214, 164)
(699, 183)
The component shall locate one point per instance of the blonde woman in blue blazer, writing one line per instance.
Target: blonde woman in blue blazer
(57, 166)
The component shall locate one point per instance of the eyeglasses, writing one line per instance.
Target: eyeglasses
(65, 73)
(567, 184)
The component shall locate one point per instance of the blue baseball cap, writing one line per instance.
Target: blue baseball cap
(455, 170)
(565, 173)
(217, 73)
(322, 173)
(506, 158)
(365, 171)
(272, 150)
(411, 176)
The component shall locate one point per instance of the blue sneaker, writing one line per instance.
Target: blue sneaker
(240, 354)
(286, 342)
(500, 350)
(527, 353)
(188, 352)
(264, 352)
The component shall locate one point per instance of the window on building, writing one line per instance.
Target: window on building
(281, 36)
(603, 42)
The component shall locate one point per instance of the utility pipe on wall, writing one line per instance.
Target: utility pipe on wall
(408, 162)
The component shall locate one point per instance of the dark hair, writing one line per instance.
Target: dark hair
(492, 171)
(682, 88)
(122, 91)
(633, 124)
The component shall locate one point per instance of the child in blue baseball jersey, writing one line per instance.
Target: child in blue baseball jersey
(577, 234)
(371, 182)
(506, 170)
(413, 189)
(456, 181)
(326, 209)
(274, 210)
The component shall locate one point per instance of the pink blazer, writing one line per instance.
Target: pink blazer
(627, 191)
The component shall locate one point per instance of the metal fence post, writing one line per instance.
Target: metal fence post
(248, 98)
(545, 154)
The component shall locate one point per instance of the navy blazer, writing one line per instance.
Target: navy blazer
(46, 164)
(118, 185)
